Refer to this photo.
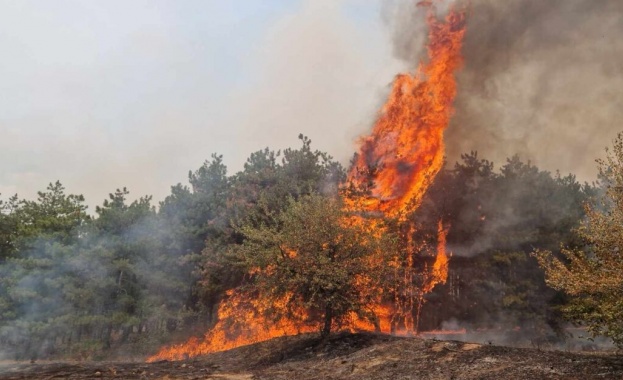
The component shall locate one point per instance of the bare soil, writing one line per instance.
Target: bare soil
(346, 356)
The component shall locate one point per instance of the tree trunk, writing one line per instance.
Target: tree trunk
(328, 319)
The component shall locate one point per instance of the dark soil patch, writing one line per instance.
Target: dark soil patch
(346, 356)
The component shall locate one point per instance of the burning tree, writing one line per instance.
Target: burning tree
(593, 275)
(313, 261)
(399, 160)
(309, 260)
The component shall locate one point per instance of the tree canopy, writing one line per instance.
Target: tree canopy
(592, 274)
(136, 274)
(316, 257)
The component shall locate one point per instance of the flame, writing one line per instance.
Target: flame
(439, 272)
(242, 321)
(398, 161)
(405, 150)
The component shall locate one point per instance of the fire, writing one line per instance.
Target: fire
(399, 160)
(251, 326)
(396, 163)
(405, 150)
(439, 272)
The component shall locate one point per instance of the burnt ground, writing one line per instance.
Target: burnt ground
(346, 356)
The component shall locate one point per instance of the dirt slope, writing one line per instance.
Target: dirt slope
(347, 356)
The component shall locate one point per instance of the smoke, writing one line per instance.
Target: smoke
(541, 79)
(575, 339)
(58, 297)
(94, 105)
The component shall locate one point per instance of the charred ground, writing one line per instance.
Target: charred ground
(347, 356)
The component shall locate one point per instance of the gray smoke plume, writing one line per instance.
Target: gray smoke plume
(542, 79)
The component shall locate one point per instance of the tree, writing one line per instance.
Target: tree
(255, 195)
(497, 218)
(8, 227)
(136, 275)
(592, 275)
(40, 237)
(314, 255)
(190, 217)
(54, 215)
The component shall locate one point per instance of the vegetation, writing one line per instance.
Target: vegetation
(135, 274)
(497, 219)
(592, 274)
(315, 257)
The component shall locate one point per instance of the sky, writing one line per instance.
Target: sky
(106, 94)
(109, 94)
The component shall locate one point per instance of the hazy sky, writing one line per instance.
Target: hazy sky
(106, 94)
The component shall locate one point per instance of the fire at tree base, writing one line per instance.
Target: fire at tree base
(392, 171)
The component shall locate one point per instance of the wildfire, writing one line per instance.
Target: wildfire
(405, 150)
(242, 321)
(396, 164)
(439, 272)
(399, 160)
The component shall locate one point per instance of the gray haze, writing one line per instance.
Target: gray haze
(111, 94)
(543, 79)
(102, 95)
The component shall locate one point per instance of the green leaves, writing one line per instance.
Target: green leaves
(312, 255)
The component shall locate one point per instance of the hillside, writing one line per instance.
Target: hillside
(347, 356)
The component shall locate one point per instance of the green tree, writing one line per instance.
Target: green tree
(54, 215)
(125, 238)
(311, 255)
(267, 181)
(592, 275)
(190, 217)
(256, 194)
(40, 237)
(8, 227)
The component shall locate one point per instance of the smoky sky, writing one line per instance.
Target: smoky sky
(105, 95)
(112, 94)
(542, 79)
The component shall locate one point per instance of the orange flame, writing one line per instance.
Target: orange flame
(405, 150)
(400, 159)
(439, 272)
(251, 326)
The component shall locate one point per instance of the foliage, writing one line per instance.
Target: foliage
(71, 282)
(497, 218)
(314, 255)
(256, 194)
(593, 274)
(9, 224)
(75, 284)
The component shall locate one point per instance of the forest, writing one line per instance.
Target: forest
(134, 275)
